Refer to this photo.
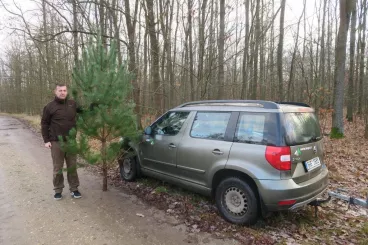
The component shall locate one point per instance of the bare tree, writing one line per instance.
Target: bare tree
(221, 50)
(201, 43)
(337, 118)
(280, 51)
(155, 60)
(290, 95)
(362, 42)
(245, 52)
(190, 46)
(186, 50)
(350, 96)
(75, 31)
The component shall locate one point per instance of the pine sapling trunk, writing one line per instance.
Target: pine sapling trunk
(104, 169)
(104, 165)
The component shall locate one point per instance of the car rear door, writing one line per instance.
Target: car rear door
(303, 135)
(204, 146)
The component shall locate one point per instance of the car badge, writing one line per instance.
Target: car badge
(315, 149)
(298, 152)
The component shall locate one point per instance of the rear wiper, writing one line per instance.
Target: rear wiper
(315, 138)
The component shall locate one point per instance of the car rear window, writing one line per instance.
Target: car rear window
(301, 128)
(256, 128)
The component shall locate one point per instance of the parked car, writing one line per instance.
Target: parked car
(250, 156)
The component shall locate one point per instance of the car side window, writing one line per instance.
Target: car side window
(256, 128)
(170, 124)
(210, 125)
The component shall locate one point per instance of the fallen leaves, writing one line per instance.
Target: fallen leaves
(337, 222)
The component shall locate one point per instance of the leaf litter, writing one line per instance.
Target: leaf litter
(336, 221)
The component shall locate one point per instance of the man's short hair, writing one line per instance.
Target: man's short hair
(60, 84)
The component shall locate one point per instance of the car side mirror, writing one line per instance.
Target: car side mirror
(148, 130)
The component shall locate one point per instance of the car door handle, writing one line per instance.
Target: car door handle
(217, 152)
(172, 146)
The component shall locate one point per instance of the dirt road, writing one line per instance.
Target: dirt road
(29, 215)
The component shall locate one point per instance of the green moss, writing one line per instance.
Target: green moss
(161, 189)
(336, 134)
(365, 228)
(363, 242)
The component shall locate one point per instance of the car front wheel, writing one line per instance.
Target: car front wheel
(237, 201)
(128, 168)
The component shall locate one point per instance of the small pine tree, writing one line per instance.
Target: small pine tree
(103, 89)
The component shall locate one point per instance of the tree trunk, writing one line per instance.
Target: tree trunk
(350, 96)
(280, 51)
(322, 69)
(329, 62)
(173, 99)
(262, 85)
(192, 90)
(221, 50)
(47, 49)
(155, 61)
(104, 165)
(271, 66)
(132, 60)
(362, 57)
(292, 65)
(201, 51)
(338, 117)
(116, 25)
(104, 171)
(101, 11)
(145, 97)
(245, 53)
(75, 32)
(255, 54)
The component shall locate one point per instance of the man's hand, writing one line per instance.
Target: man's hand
(48, 145)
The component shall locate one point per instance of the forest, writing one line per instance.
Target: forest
(184, 50)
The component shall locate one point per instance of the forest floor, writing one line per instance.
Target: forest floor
(336, 221)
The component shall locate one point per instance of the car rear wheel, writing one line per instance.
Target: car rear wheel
(237, 201)
(128, 168)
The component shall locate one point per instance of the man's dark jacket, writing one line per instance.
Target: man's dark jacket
(58, 118)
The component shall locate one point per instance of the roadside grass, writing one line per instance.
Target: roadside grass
(32, 120)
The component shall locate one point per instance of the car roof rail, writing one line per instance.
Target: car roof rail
(263, 103)
(292, 103)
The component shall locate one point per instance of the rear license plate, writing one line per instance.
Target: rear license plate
(312, 164)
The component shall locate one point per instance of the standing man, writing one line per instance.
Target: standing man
(59, 117)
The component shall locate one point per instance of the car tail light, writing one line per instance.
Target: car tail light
(286, 202)
(279, 157)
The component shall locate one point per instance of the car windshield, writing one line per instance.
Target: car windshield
(301, 128)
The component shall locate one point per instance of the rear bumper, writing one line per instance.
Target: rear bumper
(273, 191)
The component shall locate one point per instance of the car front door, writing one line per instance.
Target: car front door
(158, 150)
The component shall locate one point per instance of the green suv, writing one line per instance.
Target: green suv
(251, 156)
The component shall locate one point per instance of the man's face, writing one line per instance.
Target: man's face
(61, 92)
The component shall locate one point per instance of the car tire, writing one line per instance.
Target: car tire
(237, 202)
(128, 168)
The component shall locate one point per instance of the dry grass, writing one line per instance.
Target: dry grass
(33, 121)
